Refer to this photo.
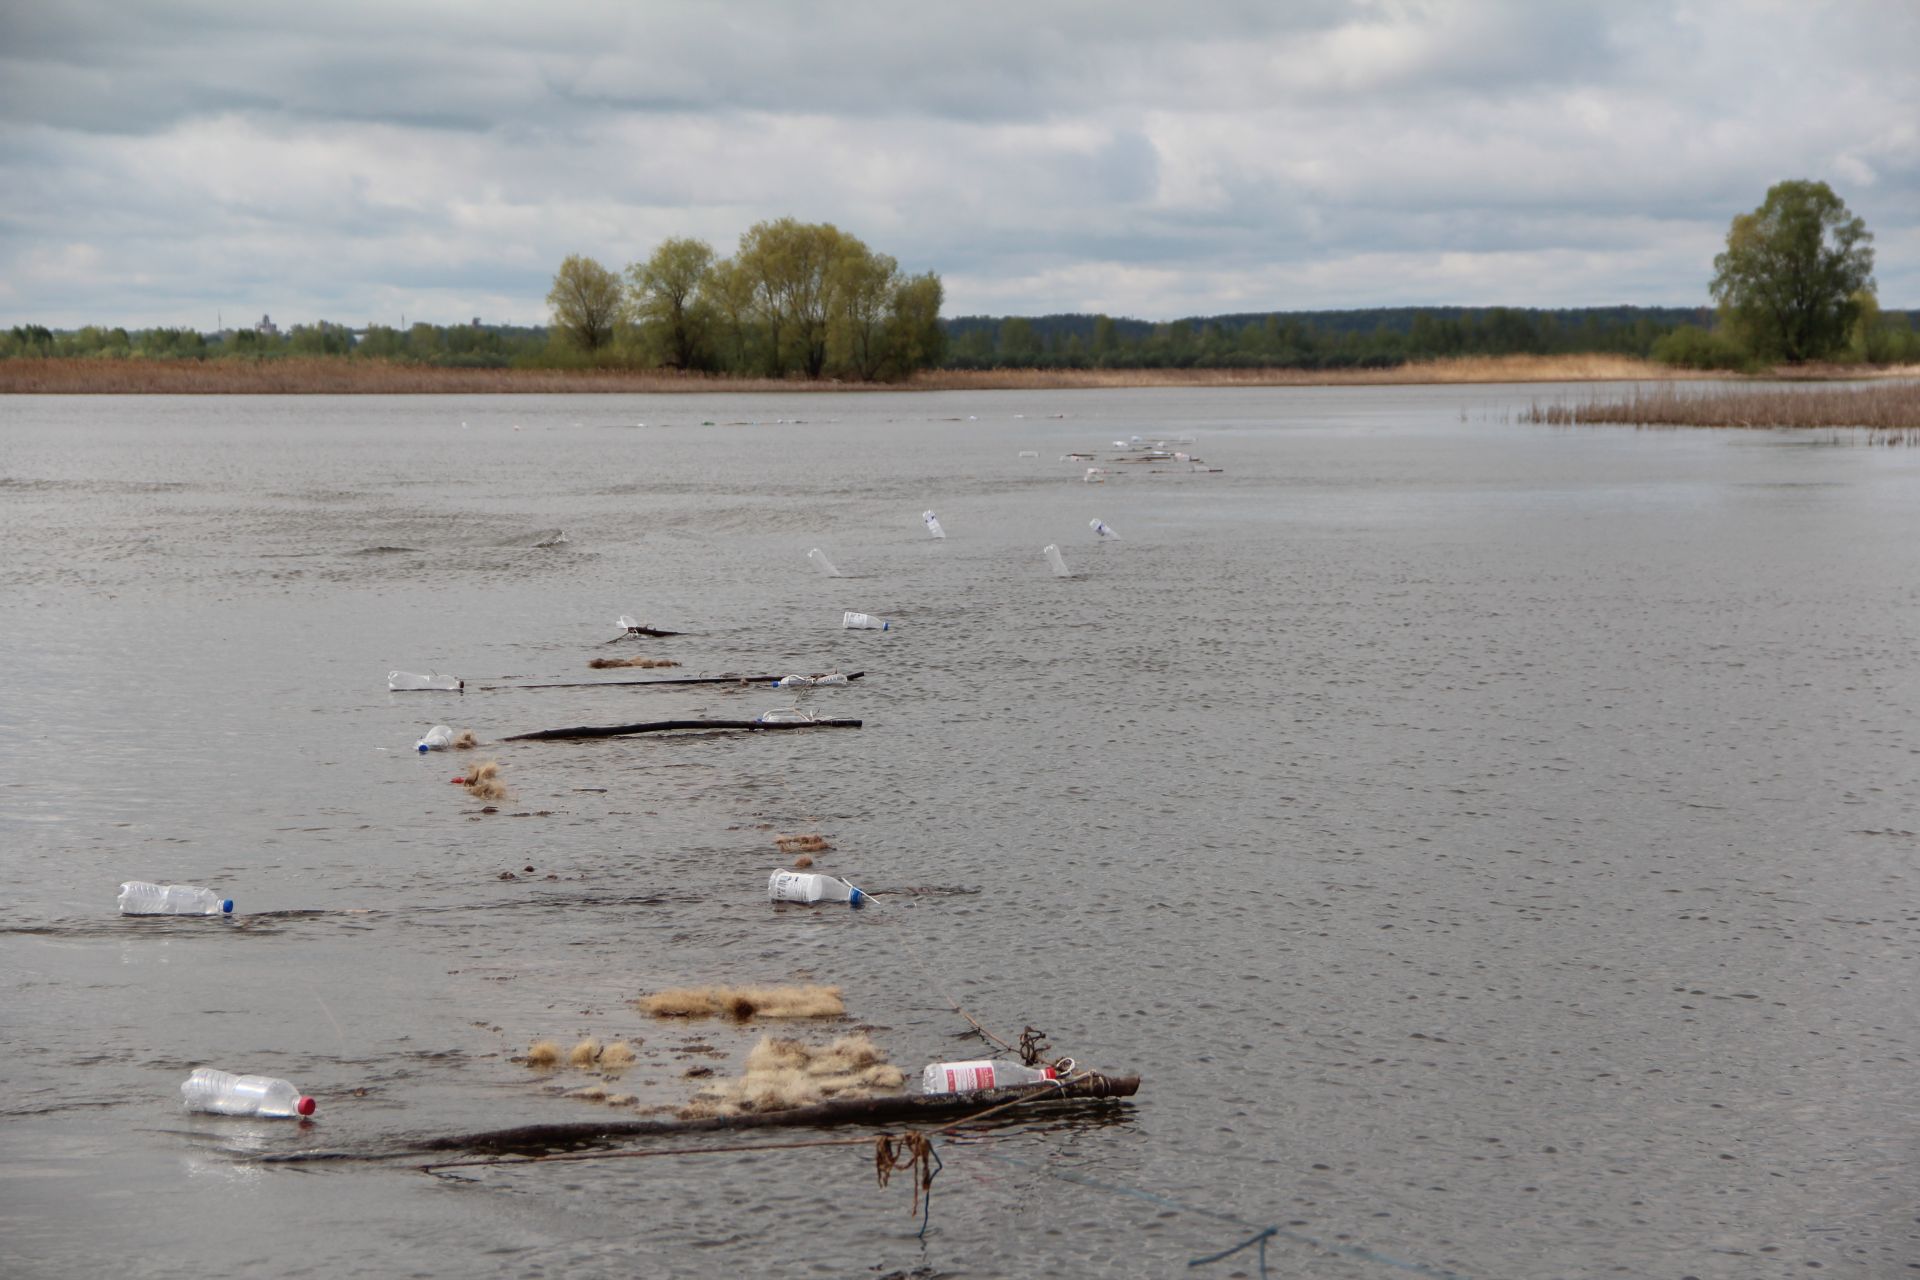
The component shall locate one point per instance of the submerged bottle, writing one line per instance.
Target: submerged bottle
(864, 622)
(970, 1077)
(225, 1094)
(141, 898)
(805, 886)
(933, 524)
(1054, 558)
(1102, 528)
(794, 682)
(820, 562)
(438, 738)
(403, 681)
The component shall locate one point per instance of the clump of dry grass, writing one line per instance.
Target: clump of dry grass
(802, 844)
(742, 1003)
(465, 741)
(543, 1055)
(802, 862)
(601, 664)
(782, 1074)
(1891, 406)
(616, 1057)
(483, 782)
(584, 1054)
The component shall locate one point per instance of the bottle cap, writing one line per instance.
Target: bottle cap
(857, 898)
(226, 906)
(304, 1107)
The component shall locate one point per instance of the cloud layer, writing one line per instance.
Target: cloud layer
(164, 162)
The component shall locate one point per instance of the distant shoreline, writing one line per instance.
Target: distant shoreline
(342, 376)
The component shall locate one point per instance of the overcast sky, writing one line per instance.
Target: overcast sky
(163, 162)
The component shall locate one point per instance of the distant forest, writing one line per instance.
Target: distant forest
(1377, 338)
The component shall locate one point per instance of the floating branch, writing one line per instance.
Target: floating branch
(728, 678)
(670, 726)
(900, 1108)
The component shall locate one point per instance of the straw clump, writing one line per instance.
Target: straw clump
(483, 782)
(465, 741)
(543, 1055)
(742, 1003)
(602, 664)
(782, 1074)
(802, 844)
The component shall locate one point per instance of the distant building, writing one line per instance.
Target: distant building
(267, 328)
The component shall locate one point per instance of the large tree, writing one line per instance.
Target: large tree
(667, 302)
(1787, 280)
(586, 302)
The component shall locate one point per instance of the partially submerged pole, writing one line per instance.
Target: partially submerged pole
(669, 726)
(731, 678)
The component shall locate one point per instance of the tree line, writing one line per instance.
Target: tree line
(796, 298)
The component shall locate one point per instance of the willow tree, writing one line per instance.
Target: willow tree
(1788, 281)
(586, 301)
(666, 299)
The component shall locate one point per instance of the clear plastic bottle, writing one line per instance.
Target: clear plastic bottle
(143, 898)
(820, 562)
(864, 622)
(933, 524)
(794, 682)
(970, 1077)
(403, 681)
(832, 677)
(438, 738)
(1054, 558)
(1102, 528)
(225, 1094)
(805, 886)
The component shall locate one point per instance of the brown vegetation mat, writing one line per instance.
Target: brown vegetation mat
(1890, 406)
(746, 1002)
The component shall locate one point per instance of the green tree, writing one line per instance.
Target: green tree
(728, 295)
(1787, 280)
(666, 293)
(861, 285)
(586, 302)
(915, 339)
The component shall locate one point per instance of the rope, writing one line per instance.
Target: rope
(911, 1150)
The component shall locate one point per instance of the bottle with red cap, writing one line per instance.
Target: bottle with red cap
(225, 1094)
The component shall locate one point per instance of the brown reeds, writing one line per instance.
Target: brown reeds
(465, 741)
(294, 375)
(1892, 406)
(783, 1074)
(543, 1055)
(742, 1003)
(802, 844)
(601, 664)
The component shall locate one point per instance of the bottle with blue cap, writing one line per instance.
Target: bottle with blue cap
(863, 622)
(142, 898)
(438, 738)
(803, 886)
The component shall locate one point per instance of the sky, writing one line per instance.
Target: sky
(166, 162)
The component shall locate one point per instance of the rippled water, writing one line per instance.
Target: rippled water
(1494, 846)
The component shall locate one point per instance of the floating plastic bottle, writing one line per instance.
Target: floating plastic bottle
(805, 886)
(832, 677)
(226, 1094)
(438, 738)
(820, 562)
(808, 682)
(1028, 453)
(864, 622)
(933, 524)
(626, 622)
(1102, 528)
(404, 681)
(142, 898)
(1055, 559)
(1095, 475)
(784, 715)
(971, 1077)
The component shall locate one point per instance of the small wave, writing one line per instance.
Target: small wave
(386, 551)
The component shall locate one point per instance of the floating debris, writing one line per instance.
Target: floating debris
(673, 726)
(824, 565)
(783, 1074)
(602, 664)
(1054, 558)
(933, 524)
(742, 1003)
(802, 844)
(1102, 528)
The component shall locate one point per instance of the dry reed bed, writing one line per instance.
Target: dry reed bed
(340, 376)
(1889, 406)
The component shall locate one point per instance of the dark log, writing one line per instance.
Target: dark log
(908, 1108)
(657, 680)
(641, 631)
(668, 726)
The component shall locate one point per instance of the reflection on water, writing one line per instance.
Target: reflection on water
(1491, 845)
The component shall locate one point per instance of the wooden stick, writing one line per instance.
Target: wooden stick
(667, 726)
(657, 680)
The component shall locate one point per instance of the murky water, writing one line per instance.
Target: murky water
(1494, 846)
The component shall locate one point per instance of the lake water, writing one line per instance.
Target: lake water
(1494, 846)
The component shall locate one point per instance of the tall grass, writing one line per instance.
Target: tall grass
(1888, 406)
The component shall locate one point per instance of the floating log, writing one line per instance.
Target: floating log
(908, 1108)
(669, 726)
(641, 631)
(659, 680)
